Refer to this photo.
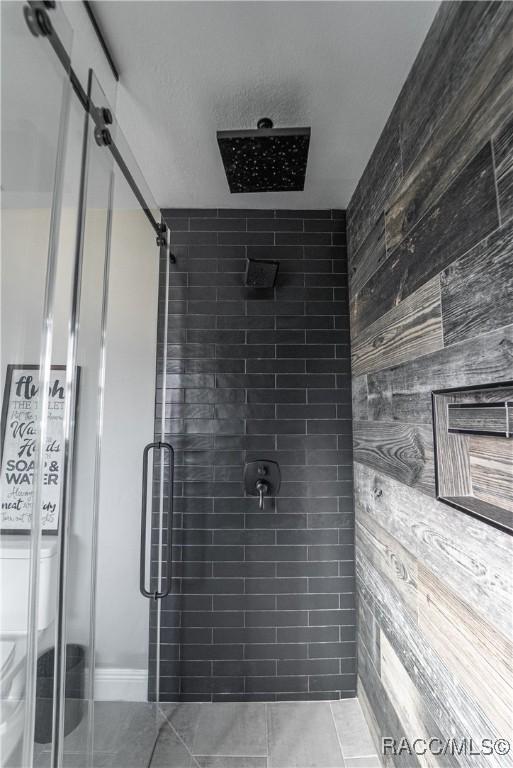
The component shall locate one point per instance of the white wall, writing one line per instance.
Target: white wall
(122, 613)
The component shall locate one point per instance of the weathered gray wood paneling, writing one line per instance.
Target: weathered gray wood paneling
(360, 397)
(486, 419)
(374, 728)
(503, 147)
(403, 451)
(368, 630)
(406, 332)
(464, 32)
(463, 215)
(491, 463)
(386, 721)
(452, 455)
(403, 393)
(473, 559)
(480, 656)
(389, 557)
(381, 176)
(482, 107)
(445, 697)
(370, 255)
(416, 720)
(432, 308)
(473, 304)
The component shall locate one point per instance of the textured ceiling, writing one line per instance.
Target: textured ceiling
(189, 69)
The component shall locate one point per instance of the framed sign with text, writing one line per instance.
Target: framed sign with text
(19, 431)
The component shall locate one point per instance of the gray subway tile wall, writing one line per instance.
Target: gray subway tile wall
(262, 606)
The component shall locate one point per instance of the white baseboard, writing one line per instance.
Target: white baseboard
(113, 684)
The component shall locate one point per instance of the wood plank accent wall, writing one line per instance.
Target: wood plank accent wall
(430, 230)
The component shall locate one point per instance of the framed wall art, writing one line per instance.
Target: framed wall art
(19, 433)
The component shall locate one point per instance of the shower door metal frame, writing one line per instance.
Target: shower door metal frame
(42, 25)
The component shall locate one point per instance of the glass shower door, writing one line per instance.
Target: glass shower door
(103, 617)
(79, 317)
(35, 110)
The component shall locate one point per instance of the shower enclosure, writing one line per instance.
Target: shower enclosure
(78, 381)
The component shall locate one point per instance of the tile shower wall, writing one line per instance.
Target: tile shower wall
(263, 602)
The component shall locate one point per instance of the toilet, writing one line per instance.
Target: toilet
(14, 579)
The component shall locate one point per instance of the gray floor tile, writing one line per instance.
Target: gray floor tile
(116, 724)
(100, 760)
(231, 730)
(224, 735)
(222, 761)
(170, 751)
(352, 729)
(302, 735)
(78, 760)
(124, 737)
(137, 725)
(183, 717)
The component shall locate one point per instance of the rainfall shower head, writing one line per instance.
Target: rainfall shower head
(261, 274)
(266, 159)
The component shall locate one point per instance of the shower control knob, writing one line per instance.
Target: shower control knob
(262, 478)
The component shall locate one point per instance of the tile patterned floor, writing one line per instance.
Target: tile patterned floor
(232, 735)
(281, 735)
(124, 736)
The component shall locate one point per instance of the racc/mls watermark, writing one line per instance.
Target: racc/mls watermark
(442, 747)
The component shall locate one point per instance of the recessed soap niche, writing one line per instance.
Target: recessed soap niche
(473, 432)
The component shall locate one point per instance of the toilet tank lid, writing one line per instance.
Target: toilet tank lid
(18, 547)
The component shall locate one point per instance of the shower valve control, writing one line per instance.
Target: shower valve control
(262, 488)
(262, 478)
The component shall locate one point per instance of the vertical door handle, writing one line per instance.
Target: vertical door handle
(168, 508)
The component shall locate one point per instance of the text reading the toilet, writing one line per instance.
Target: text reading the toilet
(25, 431)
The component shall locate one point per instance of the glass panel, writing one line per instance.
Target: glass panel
(74, 641)
(135, 254)
(122, 613)
(35, 104)
(111, 364)
(88, 492)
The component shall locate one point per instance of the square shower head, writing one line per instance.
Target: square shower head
(261, 273)
(265, 159)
